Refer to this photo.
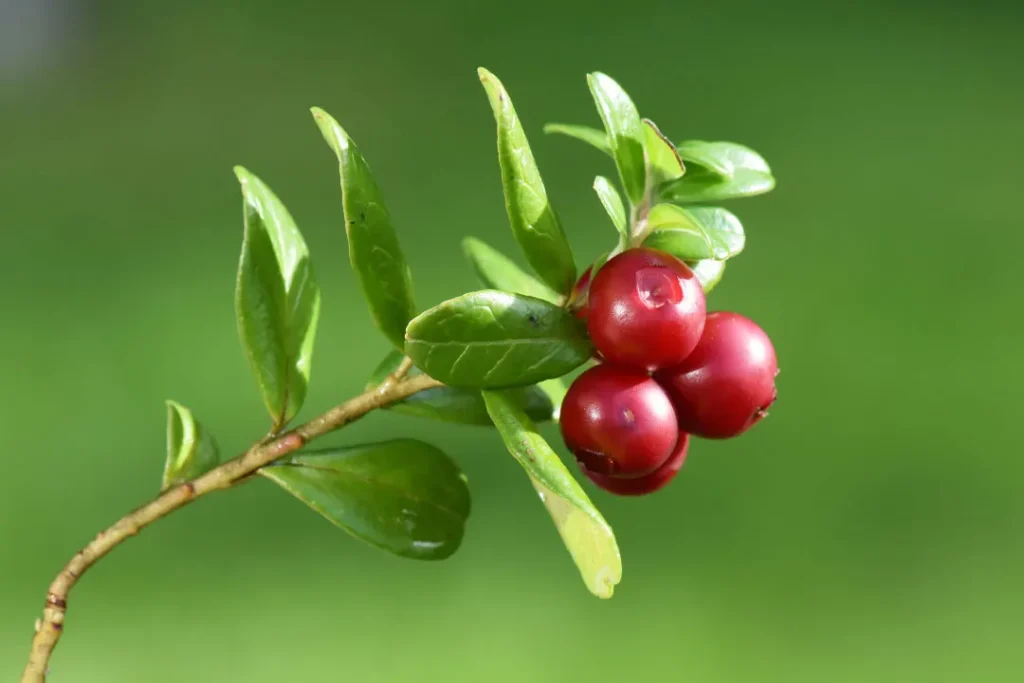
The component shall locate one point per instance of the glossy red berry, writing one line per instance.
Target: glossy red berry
(645, 310)
(618, 422)
(728, 382)
(648, 483)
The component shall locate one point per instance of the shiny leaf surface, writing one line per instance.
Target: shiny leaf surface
(663, 161)
(373, 248)
(492, 339)
(586, 534)
(591, 136)
(534, 222)
(625, 132)
(404, 496)
(277, 301)
(612, 203)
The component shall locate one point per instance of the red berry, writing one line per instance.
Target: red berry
(618, 421)
(645, 310)
(648, 483)
(728, 382)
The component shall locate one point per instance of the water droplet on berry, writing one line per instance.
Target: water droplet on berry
(658, 287)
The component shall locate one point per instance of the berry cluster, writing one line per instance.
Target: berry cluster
(667, 370)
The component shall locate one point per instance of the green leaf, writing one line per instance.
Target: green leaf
(191, 450)
(492, 340)
(724, 170)
(672, 230)
(591, 136)
(277, 301)
(534, 223)
(497, 271)
(625, 132)
(404, 496)
(695, 233)
(373, 247)
(587, 536)
(709, 272)
(663, 161)
(612, 203)
(464, 406)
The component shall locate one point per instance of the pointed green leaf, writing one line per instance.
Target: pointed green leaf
(709, 272)
(663, 161)
(463, 406)
(695, 233)
(373, 247)
(719, 170)
(403, 496)
(277, 301)
(497, 271)
(584, 531)
(612, 203)
(492, 340)
(625, 132)
(191, 450)
(591, 136)
(534, 222)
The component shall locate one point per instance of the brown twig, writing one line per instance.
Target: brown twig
(50, 627)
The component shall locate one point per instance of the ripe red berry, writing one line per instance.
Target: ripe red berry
(618, 422)
(648, 483)
(728, 382)
(645, 310)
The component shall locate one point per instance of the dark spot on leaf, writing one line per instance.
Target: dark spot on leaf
(533, 320)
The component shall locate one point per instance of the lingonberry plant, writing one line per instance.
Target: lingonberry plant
(497, 357)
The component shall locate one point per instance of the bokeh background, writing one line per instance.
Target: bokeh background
(870, 530)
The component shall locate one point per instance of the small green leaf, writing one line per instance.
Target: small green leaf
(672, 230)
(584, 531)
(403, 496)
(724, 170)
(612, 203)
(464, 406)
(497, 271)
(591, 136)
(277, 301)
(492, 340)
(191, 450)
(709, 272)
(625, 132)
(534, 223)
(373, 247)
(663, 161)
(695, 233)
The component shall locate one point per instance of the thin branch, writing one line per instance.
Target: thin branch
(49, 628)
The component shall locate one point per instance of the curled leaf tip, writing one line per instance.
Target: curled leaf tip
(242, 173)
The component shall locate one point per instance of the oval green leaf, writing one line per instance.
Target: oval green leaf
(465, 406)
(695, 233)
(663, 161)
(403, 496)
(591, 136)
(584, 531)
(277, 301)
(612, 203)
(493, 340)
(709, 272)
(498, 271)
(373, 246)
(191, 450)
(534, 222)
(721, 170)
(625, 132)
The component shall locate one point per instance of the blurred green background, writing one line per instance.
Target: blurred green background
(869, 531)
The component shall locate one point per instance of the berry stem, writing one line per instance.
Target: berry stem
(231, 473)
